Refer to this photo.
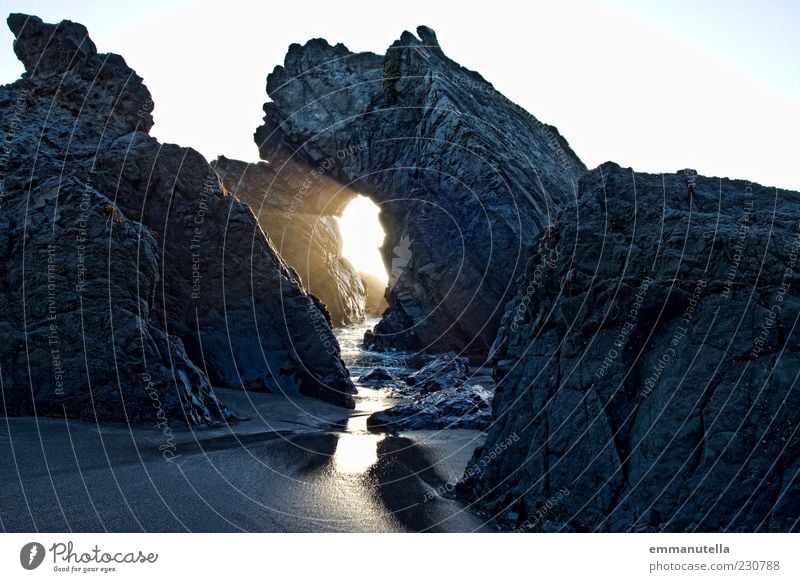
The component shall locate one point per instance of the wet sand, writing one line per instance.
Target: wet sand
(295, 466)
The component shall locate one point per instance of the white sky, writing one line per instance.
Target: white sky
(708, 84)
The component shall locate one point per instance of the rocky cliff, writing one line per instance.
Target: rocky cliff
(647, 367)
(132, 281)
(306, 237)
(464, 178)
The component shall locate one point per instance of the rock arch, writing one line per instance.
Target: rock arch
(465, 179)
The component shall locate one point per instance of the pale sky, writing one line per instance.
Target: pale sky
(708, 84)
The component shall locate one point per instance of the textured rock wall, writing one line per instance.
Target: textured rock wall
(648, 364)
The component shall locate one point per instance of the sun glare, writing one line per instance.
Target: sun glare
(362, 236)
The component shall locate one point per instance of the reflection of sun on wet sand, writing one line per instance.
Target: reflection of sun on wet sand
(356, 448)
(356, 453)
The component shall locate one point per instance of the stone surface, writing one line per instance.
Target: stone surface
(307, 237)
(466, 406)
(447, 370)
(648, 364)
(133, 283)
(464, 178)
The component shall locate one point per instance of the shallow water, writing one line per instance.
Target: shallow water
(360, 361)
(407, 476)
(357, 449)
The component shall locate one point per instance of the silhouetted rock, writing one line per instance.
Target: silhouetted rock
(464, 178)
(132, 281)
(648, 361)
(306, 237)
(453, 407)
(53, 49)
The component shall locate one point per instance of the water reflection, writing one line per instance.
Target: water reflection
(357, 448)
(356, 453)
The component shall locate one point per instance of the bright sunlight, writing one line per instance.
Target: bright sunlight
(362, 236)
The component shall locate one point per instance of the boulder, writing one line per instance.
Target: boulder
(377, 376)
(445, 371)
(466, 407)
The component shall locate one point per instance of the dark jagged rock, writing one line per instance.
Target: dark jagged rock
(306, 236)
(445, 371)
(375, 294)
(132, 282)
(51, 49)
(464, 178)
(648, 363)
(453, 407)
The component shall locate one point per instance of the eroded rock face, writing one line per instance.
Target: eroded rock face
(648, 364)
(464, 178)
(133, 282)
(307, 237)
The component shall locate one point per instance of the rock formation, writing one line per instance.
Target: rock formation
(648, 363)
(306, 237)
(464, 178)
(441, 395)
(133, 282)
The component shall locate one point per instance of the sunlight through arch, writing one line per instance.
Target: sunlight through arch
(362, 236)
